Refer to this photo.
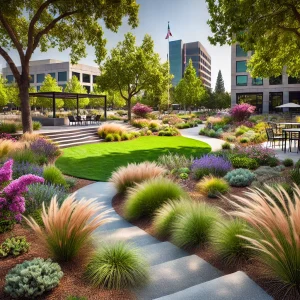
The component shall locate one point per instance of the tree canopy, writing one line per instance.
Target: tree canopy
(190, 90)
(220, 88)
(270, 28)
(131, 69)
(61, 24)
(49, 85)
(74, 86)
(3, 92)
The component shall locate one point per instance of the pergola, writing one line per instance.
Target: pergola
(66, 96)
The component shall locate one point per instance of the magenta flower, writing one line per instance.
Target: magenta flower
(243, 111)
(141, 110)
(6, 171)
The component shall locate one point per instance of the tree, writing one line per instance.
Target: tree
(3, 92)
(270, 28)
(49, 85)
(213, 100)
(74, 86)
(114, 99)
(61, 24)
(131, 69)
(220, 88)
(190, 89)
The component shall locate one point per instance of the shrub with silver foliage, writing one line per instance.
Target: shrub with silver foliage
(240, 177)
(32, 278)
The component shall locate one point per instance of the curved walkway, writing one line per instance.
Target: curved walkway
(193, 133)
(174, 273)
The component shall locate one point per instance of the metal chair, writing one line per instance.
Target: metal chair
(79, 120)
(97, 119)
(88, 119)
(272, 138)
(72, 120)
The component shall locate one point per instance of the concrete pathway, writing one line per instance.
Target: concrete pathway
(193, 133)
(174, 273)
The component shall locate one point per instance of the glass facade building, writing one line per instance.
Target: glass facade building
(175, 52)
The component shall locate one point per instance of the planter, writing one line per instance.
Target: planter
(51, 121)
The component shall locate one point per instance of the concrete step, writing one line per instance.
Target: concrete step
(235, 286)
(133, 235)
(175, 275)
(76, 138)
(71, 134)
(70, 131)
(162, 252)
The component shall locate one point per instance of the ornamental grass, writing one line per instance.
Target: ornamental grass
(68, 228)
(128, 176)
(9, 146)
(110, 128)
(212, 187)
(275, 218)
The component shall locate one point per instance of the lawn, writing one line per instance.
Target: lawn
(98, 161)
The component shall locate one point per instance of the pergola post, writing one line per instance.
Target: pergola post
(77, 101)
(105, 107)
(54, 106)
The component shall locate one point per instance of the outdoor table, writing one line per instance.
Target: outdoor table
(289, 124)
(290, 130)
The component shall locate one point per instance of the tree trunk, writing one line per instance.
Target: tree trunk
(129, 108)
(25, 104)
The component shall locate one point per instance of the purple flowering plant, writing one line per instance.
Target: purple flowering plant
(257, 152)
(211, 164)
(43, 147)
(25, 167)
(12, 201)
(141, 110)
(241, 112)
(7, 136)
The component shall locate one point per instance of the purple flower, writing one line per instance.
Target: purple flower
(43, 147)
(23, 168)
(242, 111)
(141, 110)
(19, 185)
(258, 152)
(2, 202)
(6, 171)
(216, 165)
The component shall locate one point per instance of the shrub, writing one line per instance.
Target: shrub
(44, 147)
(117, 266)
(195, 227)
(36, 125)
(39, 193)
(141, 110)
(7, 136)
(240, 177)
(169, 131)
(8, 127)
(14, 246)
(175, 161)
(24, 155)
(154, 126)
(140, 123)
(68, 228)
(117, 137)
(126, 137)
(212, 186)
(128, 176)
(212, 133)
(295, 175)
(244, 140)
(53, 175)
(166, 215)
(244, 162)
(183, 176)
(288, 162)
(110, 128)
(243, 111)
(265, 173)
(241, 130)
(211, 164)
(231, 138)
(145, 198)
(24, 168)
(183, 170)
(276, 227)
(109, 138)
(226, 146)
(171, 120)
(32, 278)
(228, 243)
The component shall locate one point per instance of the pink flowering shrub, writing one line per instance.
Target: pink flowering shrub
(257, 152)
(241, 112)
(12, 201)
(141, 110)
(246, 123)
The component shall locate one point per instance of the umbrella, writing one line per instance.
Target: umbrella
(289, 105)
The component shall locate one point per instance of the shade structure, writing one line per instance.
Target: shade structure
(289, 105)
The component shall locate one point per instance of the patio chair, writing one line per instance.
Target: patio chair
(294, 137)
(272, 138)
(72, 120)
(97, 119)
(79, 120)
(89, 119)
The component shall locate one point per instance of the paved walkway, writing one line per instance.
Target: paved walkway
(174, 273)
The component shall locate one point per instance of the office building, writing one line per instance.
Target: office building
(264, 93)
(61, 71)
(180, 54)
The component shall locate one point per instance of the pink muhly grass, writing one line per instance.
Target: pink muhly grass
(68, 228)
(112, 128)
(275, 219)
(128, 176)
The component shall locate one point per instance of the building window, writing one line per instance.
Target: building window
(241, 66)
(52, 75)
(86, 78)
(241, 80)
(275, 99)
(40, 78)
(95, 78)
(76, 74)
(255, 99)
(88, 88)
(38, 88)
(239, 51)
(10, 78)
(275, 80)
(293, 80)
(31, 78)
(62, 76)
(257, 81)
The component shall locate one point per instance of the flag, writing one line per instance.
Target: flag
(169, 32)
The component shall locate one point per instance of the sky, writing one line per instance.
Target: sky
(188, 22)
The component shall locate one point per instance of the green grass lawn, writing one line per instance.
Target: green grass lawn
(98, 161)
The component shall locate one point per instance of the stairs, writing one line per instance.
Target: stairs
(74, 137)
(175, 275)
